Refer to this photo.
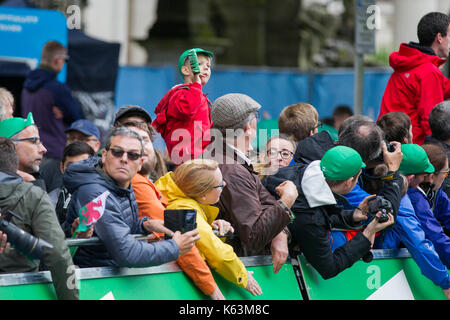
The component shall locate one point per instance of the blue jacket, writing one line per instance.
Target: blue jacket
(441, 209)
(41, 92)
(408, 231)
(431, 226)
(86, 180)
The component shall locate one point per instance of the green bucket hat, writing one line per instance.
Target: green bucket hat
(185, 54)
(12, 126)
(340, 163)
(415, 160)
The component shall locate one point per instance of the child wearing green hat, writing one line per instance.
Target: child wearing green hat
(183, 116)
(318, 208)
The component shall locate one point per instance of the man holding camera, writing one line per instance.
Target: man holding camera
(35, 215)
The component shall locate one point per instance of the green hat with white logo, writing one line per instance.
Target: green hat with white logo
(185, 54)
(12, 126)
(415, 160)
(340, 163)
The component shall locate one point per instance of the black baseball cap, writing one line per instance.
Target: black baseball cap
(130, 110)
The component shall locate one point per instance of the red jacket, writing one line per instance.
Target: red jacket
(415, 87)
(184, 107)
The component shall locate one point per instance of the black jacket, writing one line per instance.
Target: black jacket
(318, 210)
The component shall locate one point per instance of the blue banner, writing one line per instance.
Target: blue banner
(23, 33)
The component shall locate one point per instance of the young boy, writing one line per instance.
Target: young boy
(183, 116)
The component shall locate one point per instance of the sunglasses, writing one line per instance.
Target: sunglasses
(118, 153)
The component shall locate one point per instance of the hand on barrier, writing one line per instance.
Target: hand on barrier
(288, 192)
(4, 244)
(186, 240)
(252, 285)
(279, 250)
(222, 227)
(217, 295)
(447, 293)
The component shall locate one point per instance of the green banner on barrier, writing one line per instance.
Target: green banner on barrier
(381, 279)
(160, 285)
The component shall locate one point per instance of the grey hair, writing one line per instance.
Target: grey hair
(439, 120)
(237, 129)
(364, 136)
(123, 132)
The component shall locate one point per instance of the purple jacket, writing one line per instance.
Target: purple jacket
(40, 94)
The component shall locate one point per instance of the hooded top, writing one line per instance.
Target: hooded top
(33, 206)
(415, 87)
(220, 256)
(41, 92)
(183, 118)
(86, 181)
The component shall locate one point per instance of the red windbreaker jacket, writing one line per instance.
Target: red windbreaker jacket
(415, 87)
(183, 118)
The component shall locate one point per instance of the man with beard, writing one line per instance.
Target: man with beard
(30, 150)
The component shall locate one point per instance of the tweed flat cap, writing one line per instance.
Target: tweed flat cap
(232, 108)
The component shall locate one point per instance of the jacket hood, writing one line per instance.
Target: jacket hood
(173, 193)
(12, 188)
(412, 55)
(313, 148)
(37, 78)
(89, 172)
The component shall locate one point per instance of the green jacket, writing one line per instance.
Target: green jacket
(33, 205)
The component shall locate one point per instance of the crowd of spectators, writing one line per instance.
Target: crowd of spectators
(305, 192)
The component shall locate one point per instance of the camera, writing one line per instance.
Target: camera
(379, 203)
(182, 220)
(24, 242)
(390, 148)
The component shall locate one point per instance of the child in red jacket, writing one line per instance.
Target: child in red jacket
(183, 116)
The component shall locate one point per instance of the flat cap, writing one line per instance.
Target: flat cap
(231, 109)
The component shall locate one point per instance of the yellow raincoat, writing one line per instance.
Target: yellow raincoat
(219, 255)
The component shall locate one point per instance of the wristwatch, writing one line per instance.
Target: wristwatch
(287, 210)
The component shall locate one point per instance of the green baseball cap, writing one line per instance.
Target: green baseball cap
(185, 54)
(12, 126)
(415, 160)
(340, 163)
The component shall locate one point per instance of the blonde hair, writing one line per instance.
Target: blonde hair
(297, 120)
(195, 178)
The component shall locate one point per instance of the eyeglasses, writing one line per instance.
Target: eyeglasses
(285, 154)
(118, 153)
(34, 140)
(221, 186)
(444, 172)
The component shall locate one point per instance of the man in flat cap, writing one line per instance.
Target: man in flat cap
(30, 150)
(259, 219)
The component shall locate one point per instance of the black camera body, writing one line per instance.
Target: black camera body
(379, 203)
(390, 148)
(21, 240)
(182, 220)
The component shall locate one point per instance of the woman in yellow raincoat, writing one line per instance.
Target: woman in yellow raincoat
(197, 184)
